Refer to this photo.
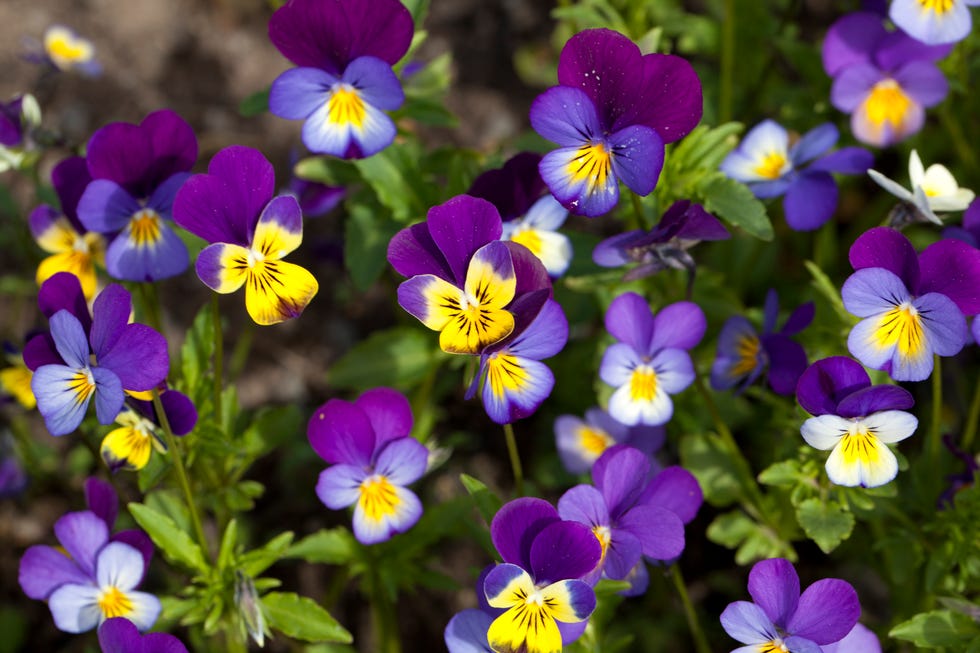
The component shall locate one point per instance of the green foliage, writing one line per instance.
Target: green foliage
(335, 546)
(940, 629)
(301, 618)
(486, 501)
(734, 202)
(402, 356)
(826, 523)
(751, 540)
(175, 544)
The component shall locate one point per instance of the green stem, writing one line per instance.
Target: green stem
(182, 480)
(700, 641)
(957, 136)
(219, 355)
(972, 417)
(935, 432)
(151, 306)
(515, 459)
(727, 66)
(383, 614)
(638, 221)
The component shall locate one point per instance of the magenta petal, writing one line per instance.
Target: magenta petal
(669, 98)
(461, 226)
(810, 201)
(775, 587)
(412, 252)
(69, 178)
(389, 413)
(851, 40)
(605, 64)
(630, 320)
(563, 550)
(64, 291)
(101, 499)
(884, 247)
(952, 267)
(340, 432)
(110, 315)
(43, 569)
(516, 525)
(139, 358)
(825, 383)
(827, 611)
(874, 399)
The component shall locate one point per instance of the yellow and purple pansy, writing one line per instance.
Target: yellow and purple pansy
(250, 232)
(64, 50)
(129, 446)
(344, 50)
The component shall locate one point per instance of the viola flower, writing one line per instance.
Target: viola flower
(650, 362)
(782, 619)
(855, 420)
(344, 83)
(515, 381)
(139, 432)
(120, 635)
(885, 80)
(859, 640)
(969, 233)
(581, 442)
(933, 22)
(467, 631)
(767, 163)
(15, 379)
(463, 281)
(682, 226)
(373, 458)
(18, 118)
(315, 199)
(912, 306)
(84, 358)
(743, 354)
(625, 528)
(530, 218)
(136, 172)
(250, 232)
(546, 604)
(933, 189)
(612, 113)
(73, 248)
(65, 51)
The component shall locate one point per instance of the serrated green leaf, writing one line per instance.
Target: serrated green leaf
(302, 618)
(735, 530)
(176, 545)
(486, 501)
(826, 523)
(782, 474)
(735, 203)
(335, 546)
(937, 628)
(402, 356)
(367, 233)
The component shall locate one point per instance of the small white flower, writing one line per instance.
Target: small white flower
(933, 189)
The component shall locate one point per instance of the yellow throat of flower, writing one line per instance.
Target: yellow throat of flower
(887, 103)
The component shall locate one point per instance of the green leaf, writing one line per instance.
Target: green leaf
(486, 501)
(255, 104)
(735, 203)
(826, 523)
(335, 546)
(302, 618)
(396, 179)
(176, 545)
(937, 629)
(829, 290)
(258, 560)
(228, 543)
(367, 233)
(705, 147)
(327, 170)
(735, 530)
(196, 352)
(705, 456)
(782, 474)
(402, 356)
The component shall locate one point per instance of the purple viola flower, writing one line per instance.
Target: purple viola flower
(859, 640)
(770, 167)
(250, 232)
(93, 575)
(650, 361)
(344, 83)
(885, 80)
(782, 619)
(682, 226)
(969, 233)
(581, 442)
(743, 354)
(12, 122)
(315, 199)
(120, 635)
(530, 217)
(612, 113)
(912, 306)
(463, 281)
(625, 527)
(467, 631)
(372, 459)
(90, 358)
(933, 23)
(855, 420)
(136, 172)
(539, 586)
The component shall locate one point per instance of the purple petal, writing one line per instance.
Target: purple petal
(109, 395)
(787, 360)
(770, 311)
(120, 635)
(413, 252)
(110, 315)
(874, 399)
(613, 252)
(729, 366)
(638, 157)
(860, 640)
(620, 474)
(872, 291)
(402, 460)
(340, 432)
(339, 486)
(70, 340)
(923, 82)
(630, 320)
(517, 524)
(545, 336)
(533, 384)
(43, 569)
(64, 291)
(852, 86)
(748, 623)
(180, 410)
(376, 82)
(698, 224)
(584, 504)
(69, 178)
(101, 499)
(810, 201)
(531, 277)
(514, 188)
(563, 550)
(581, 178)
(680, 325)
(138, 357)
(827, 611)
(609, 69)
(668, 99)
(799, 319)
(674, 489)
(566, 116)
(618, 363)
(660, 531)
(851, 40)
(847, 160)
(884, 247)
(898, 48)
(814, 143)
(83, 534)
(461, 226)
(825, 383)
(623, 554)
(56, 401)
(466, 632)
(952, 267)
(106, 207)
(775, 587)
(298, 92)
(388, 411)
(75, 608)
(945, 326)
(129, 259)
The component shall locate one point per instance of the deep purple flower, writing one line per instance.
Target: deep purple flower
(885, 80)
(912, 306)
(250, 232)
(136, 172)
(650, 361)
(743, 354)
(539, 583)
(463, 282)
(859, 640)
(855, 420)
(625, 527)
(969, 233)
(120, 635)
(766, 162)
(581, 442)
(11, 122)
(372, 458)
(344, 83)
(86, 357)
(782, 619)
(530, 217)
(612, 113)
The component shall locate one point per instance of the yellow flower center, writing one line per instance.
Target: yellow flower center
(378, 498)
(83, 385)
(530, 239)
(887, 103)
(643, 384)
(144, 228)
(774, 646)
(595, 441)
(114, 603)
(937, 6)
(747, 350)
(772, 165)
(345, 106)
(860, 445)
(901, 327)
(591, 164)
(604, 536)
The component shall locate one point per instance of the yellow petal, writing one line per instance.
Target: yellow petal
(276, 291)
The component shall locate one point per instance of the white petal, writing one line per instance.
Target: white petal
(916, 170)
(146, 609)
(75, 608)
(825, 431)
(890, 186)
(891, 425)
(119, 565)
(653, 412)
